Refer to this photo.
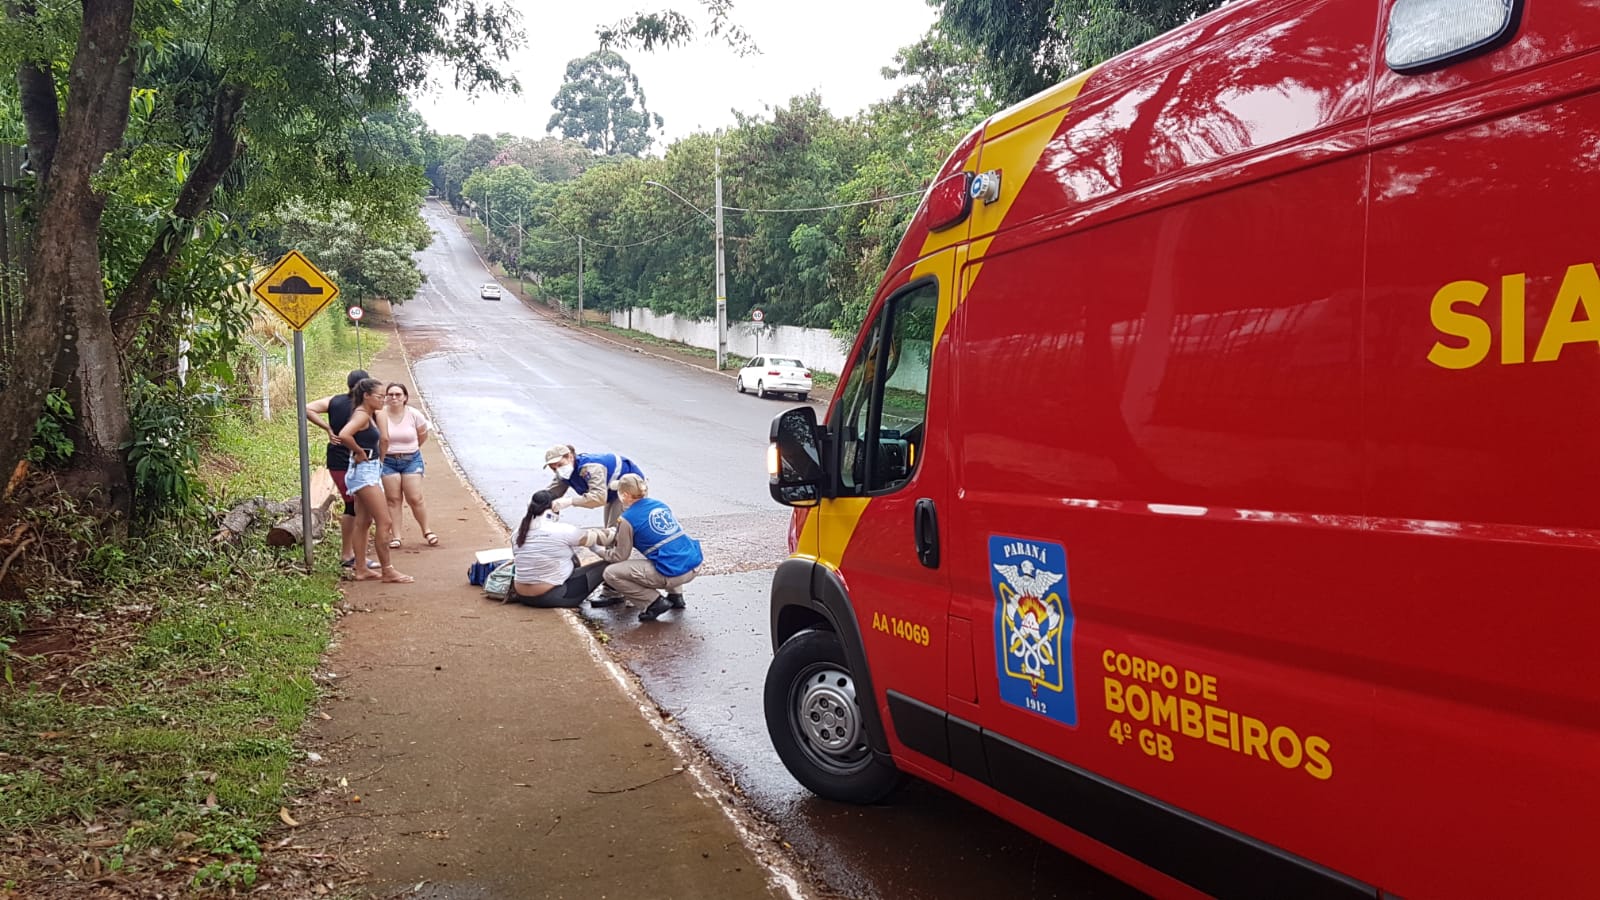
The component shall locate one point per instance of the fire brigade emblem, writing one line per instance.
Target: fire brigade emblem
(1033, 627)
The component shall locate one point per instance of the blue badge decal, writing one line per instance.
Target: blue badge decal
(1033, 627)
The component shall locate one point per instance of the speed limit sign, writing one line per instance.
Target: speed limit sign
(356, 313)
(756, 315)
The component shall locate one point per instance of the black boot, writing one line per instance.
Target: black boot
(655, 609)
(676, 600)
(607, 597)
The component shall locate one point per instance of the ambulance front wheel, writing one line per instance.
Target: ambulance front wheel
(817, 725)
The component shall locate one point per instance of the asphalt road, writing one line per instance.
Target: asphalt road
(504, 382)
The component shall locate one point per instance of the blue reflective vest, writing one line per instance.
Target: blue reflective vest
(657, 535)
(616, 466)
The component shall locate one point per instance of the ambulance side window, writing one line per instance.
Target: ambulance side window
(885, 399)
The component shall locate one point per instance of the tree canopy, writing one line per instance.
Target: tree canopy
(601, 105)
(1032, 44)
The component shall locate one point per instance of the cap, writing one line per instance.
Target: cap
(554, 454)
(632, 483)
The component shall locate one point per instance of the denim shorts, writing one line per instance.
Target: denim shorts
(403, 464)
(364, 475)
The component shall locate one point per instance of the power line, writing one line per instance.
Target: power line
(825, 208)
(664, 234)
(589, 240)
(687, 222)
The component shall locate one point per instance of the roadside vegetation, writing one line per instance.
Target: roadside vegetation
(155, 684)
(816, 201)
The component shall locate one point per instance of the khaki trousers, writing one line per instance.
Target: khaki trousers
(638, 580)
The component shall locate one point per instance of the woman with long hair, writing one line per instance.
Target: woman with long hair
(548, 574)
(402, 461)
(366, 436)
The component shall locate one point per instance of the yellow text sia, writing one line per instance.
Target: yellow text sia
(1149, 695)
(1455, 314)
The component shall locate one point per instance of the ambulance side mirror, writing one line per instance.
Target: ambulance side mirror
(794, 458)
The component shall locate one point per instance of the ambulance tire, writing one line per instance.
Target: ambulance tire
(816, 725)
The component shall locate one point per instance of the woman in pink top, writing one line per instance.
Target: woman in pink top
(402, 464)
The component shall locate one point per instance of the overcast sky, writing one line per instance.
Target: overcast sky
(835, 47)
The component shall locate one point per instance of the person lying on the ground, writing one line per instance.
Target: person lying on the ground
(671, 558)
(547, 573)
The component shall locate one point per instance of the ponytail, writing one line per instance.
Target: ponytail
(362, 388)
(538, 506)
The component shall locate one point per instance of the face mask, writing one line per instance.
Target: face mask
(564, 471)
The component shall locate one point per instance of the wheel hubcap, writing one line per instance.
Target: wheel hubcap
(827, 716)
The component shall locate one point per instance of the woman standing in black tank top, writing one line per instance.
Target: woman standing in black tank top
(366, 437)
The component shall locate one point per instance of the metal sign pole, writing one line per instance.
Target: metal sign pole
(305, 444)
(360, 360)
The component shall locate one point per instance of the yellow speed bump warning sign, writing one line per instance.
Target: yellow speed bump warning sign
(296, 290)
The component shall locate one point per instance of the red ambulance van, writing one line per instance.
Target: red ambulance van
(1214, 489)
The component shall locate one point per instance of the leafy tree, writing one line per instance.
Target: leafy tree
(475, 154)
(600, 104)
(669, 27)
(1032, 44)
(289, 74)
(438, 150)
(368, 259)
(549, 159)
(508, 196)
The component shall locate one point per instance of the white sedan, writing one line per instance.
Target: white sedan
(774, 375)
(490, 291)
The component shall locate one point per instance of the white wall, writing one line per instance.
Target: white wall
(816, 347)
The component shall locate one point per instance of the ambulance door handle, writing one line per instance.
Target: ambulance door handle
(927, 532)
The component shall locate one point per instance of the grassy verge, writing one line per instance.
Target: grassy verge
(252, 457)
(147, 733)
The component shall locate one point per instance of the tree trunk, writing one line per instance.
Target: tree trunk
(100, 398)
(64, 273)
(243, 517)
(287, 532)
(195, 198)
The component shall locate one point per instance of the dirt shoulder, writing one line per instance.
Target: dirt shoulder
(477, 750)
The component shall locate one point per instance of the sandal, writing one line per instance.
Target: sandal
(394, 544)
(431, 538)
(393, 576)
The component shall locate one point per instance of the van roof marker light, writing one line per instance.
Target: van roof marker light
(949, 201)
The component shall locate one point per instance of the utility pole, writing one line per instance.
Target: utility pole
(580, 281)
(722, 276)
(519, 246)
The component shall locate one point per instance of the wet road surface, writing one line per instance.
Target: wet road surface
(504, 383)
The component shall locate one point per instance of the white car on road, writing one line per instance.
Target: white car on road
(775, 375)
(490, 291)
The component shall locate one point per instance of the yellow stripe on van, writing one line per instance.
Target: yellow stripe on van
(1013, 145)
(830, 526)
(1014, 140)
(1028, 110)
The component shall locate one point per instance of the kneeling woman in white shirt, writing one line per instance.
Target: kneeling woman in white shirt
(548, 574)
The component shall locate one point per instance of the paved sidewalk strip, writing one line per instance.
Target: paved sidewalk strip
(497, 755)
